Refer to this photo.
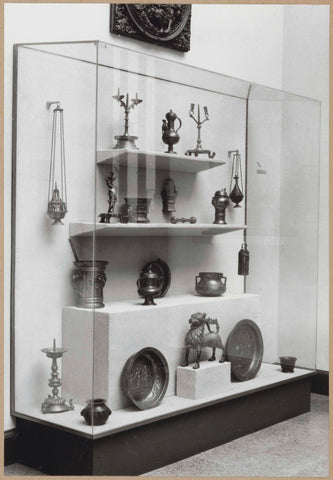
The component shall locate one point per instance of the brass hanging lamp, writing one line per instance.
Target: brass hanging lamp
(57, 194)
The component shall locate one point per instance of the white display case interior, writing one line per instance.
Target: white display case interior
(277, 135)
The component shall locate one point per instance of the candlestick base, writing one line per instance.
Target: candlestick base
(125, 141)
(199, 151)
(56, 405)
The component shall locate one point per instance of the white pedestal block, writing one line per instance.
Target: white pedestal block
(212, 378)
(100, 342)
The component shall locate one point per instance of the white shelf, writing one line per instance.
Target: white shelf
(156, 160)
(131, 417)
(88, 229)
(135, 305)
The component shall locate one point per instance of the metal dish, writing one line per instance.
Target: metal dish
(245, 349)
(145, 378)
(162, 270)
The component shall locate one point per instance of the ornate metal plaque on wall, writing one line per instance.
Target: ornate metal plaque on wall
(168, 25)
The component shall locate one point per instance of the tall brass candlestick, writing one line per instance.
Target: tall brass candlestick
(54, 403)
(198, 150)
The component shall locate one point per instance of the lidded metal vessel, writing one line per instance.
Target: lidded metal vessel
(220, 201)
(149, 286)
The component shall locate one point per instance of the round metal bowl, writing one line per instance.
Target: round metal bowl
(145, 378)
(245, 349)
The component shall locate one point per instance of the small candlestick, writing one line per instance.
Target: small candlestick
(125, 140)
(198, 150)
(54, 403)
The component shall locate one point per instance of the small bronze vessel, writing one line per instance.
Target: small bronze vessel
(169, 195)
(149, 286)
(287, 364)
(220, 201)
(137, 210)
(169, 134)
(210, 284)
(96, 412)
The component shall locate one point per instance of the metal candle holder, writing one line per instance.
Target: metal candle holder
(199, 150)
(54, 403)
(125, 140)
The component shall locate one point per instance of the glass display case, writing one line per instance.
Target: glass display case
(190, 196)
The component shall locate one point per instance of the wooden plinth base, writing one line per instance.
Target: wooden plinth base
(152, 446)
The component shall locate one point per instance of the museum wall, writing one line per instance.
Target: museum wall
(236, 39)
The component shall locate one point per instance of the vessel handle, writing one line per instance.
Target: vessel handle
(225, 281)
(196, 279)
(180, 124)
(77, 275)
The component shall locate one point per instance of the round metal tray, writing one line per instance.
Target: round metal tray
(245, 349)
(161, 269)
(145, 378)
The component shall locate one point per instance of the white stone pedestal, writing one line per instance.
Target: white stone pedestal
(212, 378)
(100, 342)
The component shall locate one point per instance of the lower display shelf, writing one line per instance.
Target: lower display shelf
(129, 418)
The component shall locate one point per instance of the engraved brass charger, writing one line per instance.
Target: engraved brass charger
(245, 349)
(145, 378)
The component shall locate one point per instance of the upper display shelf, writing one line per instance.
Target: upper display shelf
(156, 160)
(86, 229)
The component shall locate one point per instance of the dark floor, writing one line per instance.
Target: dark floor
(296, 447)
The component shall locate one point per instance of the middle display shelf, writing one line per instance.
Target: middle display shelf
(89, 229)
(156, 160)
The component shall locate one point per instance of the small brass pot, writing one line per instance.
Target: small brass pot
(96, 412)
(210, 284)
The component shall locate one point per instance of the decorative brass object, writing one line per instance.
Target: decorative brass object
(145, 378)
(183, 220)
(112, 184)
(287, 364)
(245, 349)
(220, 201)
(149, 286)
(167, 25)
(88, 280)
(197, 340)
(161, 269)
(96, 412)
(243, 260)
(57, 197)
(54, 403)
(169, 195)
(169, 134)
(235, 193)
(198, 150)
(125, 140)
(137, 210)
(210, 284)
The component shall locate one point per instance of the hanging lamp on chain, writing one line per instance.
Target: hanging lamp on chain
(236, 191)
(57, 195)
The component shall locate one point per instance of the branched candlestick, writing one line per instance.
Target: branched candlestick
(54, 403)
(199, 150)
(125, 140)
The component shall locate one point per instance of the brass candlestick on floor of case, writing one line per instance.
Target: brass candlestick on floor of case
(53, 403)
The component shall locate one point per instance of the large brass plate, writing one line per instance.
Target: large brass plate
(245, 349)
(145, 378)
